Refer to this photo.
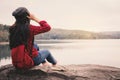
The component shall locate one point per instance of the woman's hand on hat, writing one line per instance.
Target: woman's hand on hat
(32, 17)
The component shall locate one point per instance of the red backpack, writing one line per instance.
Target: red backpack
(21, 58)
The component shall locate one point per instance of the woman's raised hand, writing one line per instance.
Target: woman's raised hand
(32, 17)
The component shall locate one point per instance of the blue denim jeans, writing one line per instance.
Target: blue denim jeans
(43, 55)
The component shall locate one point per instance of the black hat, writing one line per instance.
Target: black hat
(21, 11)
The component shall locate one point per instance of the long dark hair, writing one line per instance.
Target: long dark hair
(19, 32)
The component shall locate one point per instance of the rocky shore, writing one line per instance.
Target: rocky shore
(72, 72)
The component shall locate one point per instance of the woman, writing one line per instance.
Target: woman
(22, 33)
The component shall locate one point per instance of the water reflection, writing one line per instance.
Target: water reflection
(4, 52)
(103, 52)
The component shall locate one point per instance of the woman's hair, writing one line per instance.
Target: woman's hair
(19, 32)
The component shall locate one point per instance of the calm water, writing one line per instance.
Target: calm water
(103, 52)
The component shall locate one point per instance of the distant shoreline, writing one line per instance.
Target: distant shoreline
(4, 43)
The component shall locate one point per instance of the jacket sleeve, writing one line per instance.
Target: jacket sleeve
(44, 27)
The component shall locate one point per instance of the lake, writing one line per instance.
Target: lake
(101, 52)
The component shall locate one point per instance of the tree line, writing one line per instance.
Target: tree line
(78, 34)
(64, 34)
(4, 32)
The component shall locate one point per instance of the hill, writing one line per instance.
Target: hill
(110, 34)
(65, 34)
(78, 34)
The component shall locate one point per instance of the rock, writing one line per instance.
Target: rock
(72, 72)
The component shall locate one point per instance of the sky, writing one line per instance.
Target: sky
(89, 15)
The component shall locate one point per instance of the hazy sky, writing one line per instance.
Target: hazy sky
(90, 15)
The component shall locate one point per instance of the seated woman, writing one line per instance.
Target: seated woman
(22, 37)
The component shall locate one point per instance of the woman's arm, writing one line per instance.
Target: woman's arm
(44, 26)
